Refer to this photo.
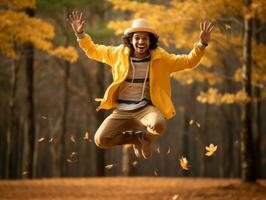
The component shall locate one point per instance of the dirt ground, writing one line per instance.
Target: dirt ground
(135, 188)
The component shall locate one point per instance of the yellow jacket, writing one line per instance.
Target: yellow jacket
(162, 64)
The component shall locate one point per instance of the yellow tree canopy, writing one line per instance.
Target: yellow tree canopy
(18, 28)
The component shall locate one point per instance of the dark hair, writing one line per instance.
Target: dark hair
(128, 38)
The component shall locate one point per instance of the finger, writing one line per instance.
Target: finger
(82, 23)
(205, 26)
(208, 27)
(74, 15)
(71, 17)
(80, 16)
(211, 28)
(201, 26)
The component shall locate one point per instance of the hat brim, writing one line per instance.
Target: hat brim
(139, 29)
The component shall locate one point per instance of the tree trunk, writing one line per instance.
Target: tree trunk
(29, 53)
(64, 121)
(246, 146)
(100, 153)
(12, 121)
(256, 111)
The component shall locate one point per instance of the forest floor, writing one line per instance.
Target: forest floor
(137, 188)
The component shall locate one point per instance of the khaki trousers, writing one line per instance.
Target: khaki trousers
(120, 127)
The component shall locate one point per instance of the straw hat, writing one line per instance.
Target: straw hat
(139, 25)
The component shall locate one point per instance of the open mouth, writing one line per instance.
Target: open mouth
(141, 47)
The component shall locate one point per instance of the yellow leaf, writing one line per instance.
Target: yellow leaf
(210, 149)
(227, 26)
(184, 163)
(86, 136)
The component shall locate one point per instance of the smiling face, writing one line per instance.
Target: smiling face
(141, 43)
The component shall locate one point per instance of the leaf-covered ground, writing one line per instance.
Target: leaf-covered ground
(138, 188)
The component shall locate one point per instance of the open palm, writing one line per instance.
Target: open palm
(76, 21)
(205, 34)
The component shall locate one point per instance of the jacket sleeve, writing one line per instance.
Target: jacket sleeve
(101, 53)
(185, 61)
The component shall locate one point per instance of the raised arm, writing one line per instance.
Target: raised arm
(101, 53)
(180, 62)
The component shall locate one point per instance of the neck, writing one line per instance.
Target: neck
(140, 56)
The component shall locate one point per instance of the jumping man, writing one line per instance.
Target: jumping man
(140, 94)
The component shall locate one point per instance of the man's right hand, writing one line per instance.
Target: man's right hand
(76, 21)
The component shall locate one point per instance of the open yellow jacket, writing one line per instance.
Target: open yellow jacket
(161, 66)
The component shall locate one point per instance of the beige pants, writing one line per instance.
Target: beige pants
(119, 127)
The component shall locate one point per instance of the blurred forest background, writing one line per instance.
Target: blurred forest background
(48, 87)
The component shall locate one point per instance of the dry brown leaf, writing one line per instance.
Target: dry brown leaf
(41, 139)
(71, 161)
(108, 167)
(134, 163)
(184, 163)
(157, 150)
(25, 173)
(198, 124)
(44, 117)
(155, 170)
(168, 151)
(72, 138)
(73, 154)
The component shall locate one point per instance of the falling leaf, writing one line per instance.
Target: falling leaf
(41, 139)
(86, 136)
(44, 117)
(73, 154)
(158, 150)
(175, 197)
(155, 170)
(51, 140)
(72, 138)
(25, 173)
(168, 151)
(198, 125)
(191, 122)
(210, 149)
(71, 161)
(134, 163)
(227, 26)
(184, 163)
(108, 167)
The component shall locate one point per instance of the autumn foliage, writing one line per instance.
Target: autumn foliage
(17, 28)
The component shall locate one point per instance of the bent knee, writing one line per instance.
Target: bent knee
(101, 141)
(160, 127)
